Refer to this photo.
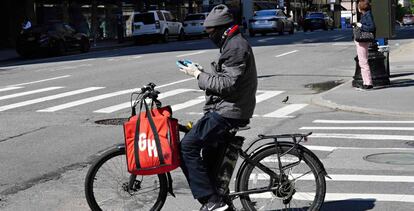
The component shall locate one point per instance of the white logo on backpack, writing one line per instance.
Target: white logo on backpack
(145, 143)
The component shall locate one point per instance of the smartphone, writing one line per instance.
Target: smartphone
(183, 63)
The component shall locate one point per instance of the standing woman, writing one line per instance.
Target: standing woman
(367, 25)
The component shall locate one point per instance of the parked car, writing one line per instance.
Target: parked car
(274, 20)
(408, 19)
(52, 38)
(317, 20)
(158, 23)
(194, 24)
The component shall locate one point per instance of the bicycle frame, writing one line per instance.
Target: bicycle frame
(273, 175)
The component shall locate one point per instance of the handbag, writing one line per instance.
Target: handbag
(361, 36)
(152, 141)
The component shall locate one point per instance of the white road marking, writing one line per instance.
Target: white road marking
(39, 81)
(188, 103)
(362, 136)
(361, 122)
(190, 54)
(339, 38)
(285, 111)
(266, 95)
(344, 44)
(266, 39)
(52, 97)
(121, 106)
(331, 149)
(10, 88)
(358, 128)
(287, 53)
(321, 148)
(345, 196)
(86, 100)
(29, 92)
(176, 82)
(64, 68)
(344, 177)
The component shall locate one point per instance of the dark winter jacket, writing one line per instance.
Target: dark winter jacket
(231, 83)
(367, 21)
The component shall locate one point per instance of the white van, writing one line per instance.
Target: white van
(159, 23)
(194, 24)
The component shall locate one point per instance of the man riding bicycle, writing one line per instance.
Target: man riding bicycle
(230, 89)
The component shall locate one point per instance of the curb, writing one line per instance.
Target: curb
(320, 101)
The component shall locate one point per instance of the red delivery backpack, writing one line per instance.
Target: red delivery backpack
(152, 141)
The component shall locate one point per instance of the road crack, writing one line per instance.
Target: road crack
(22, 134)
(55, 175)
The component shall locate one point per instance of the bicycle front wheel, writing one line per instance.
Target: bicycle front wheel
(301, 188)
(109, 185)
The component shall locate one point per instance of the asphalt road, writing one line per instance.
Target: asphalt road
(48, 109)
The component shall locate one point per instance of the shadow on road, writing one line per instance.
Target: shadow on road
(350, 204)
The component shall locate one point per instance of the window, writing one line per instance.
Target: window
(266, 13)
(167, 16)
(160, 16)
(146, 18)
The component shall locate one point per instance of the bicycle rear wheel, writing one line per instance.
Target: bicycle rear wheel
(109, 185)
(303, 188)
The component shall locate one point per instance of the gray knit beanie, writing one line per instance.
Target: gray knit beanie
(218, 16)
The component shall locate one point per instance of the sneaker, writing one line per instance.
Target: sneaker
(216, 206)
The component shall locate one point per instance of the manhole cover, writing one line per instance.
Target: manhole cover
(410, 143)
(116, 121)
(395, 158)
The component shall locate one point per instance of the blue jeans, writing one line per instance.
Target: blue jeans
(208, 132)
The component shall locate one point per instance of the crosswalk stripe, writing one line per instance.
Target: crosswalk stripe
(39, 81)
(345, 196)
(358, 128)
(361, 122)
(85, 101)
(344, 178)
(10, 88)
(267, 95)
(362, 136)
(29, 92)
(128, 104)
(188, 103)
(285, 111)
(52, 97)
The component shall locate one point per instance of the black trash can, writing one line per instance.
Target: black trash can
(376, 60)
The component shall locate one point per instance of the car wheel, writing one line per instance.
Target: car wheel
(165, 37)
(282, 30)
(85, 45)
(181, 36)
(252, 34)
(60, 48)
(292, 29)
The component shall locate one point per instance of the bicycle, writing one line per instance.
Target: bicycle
(265, 178)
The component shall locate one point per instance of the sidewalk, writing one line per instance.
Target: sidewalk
(394, 100)
(10, 53)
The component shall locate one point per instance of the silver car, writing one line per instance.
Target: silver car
(267, 21)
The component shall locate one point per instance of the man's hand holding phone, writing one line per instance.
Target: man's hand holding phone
(190, 68)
